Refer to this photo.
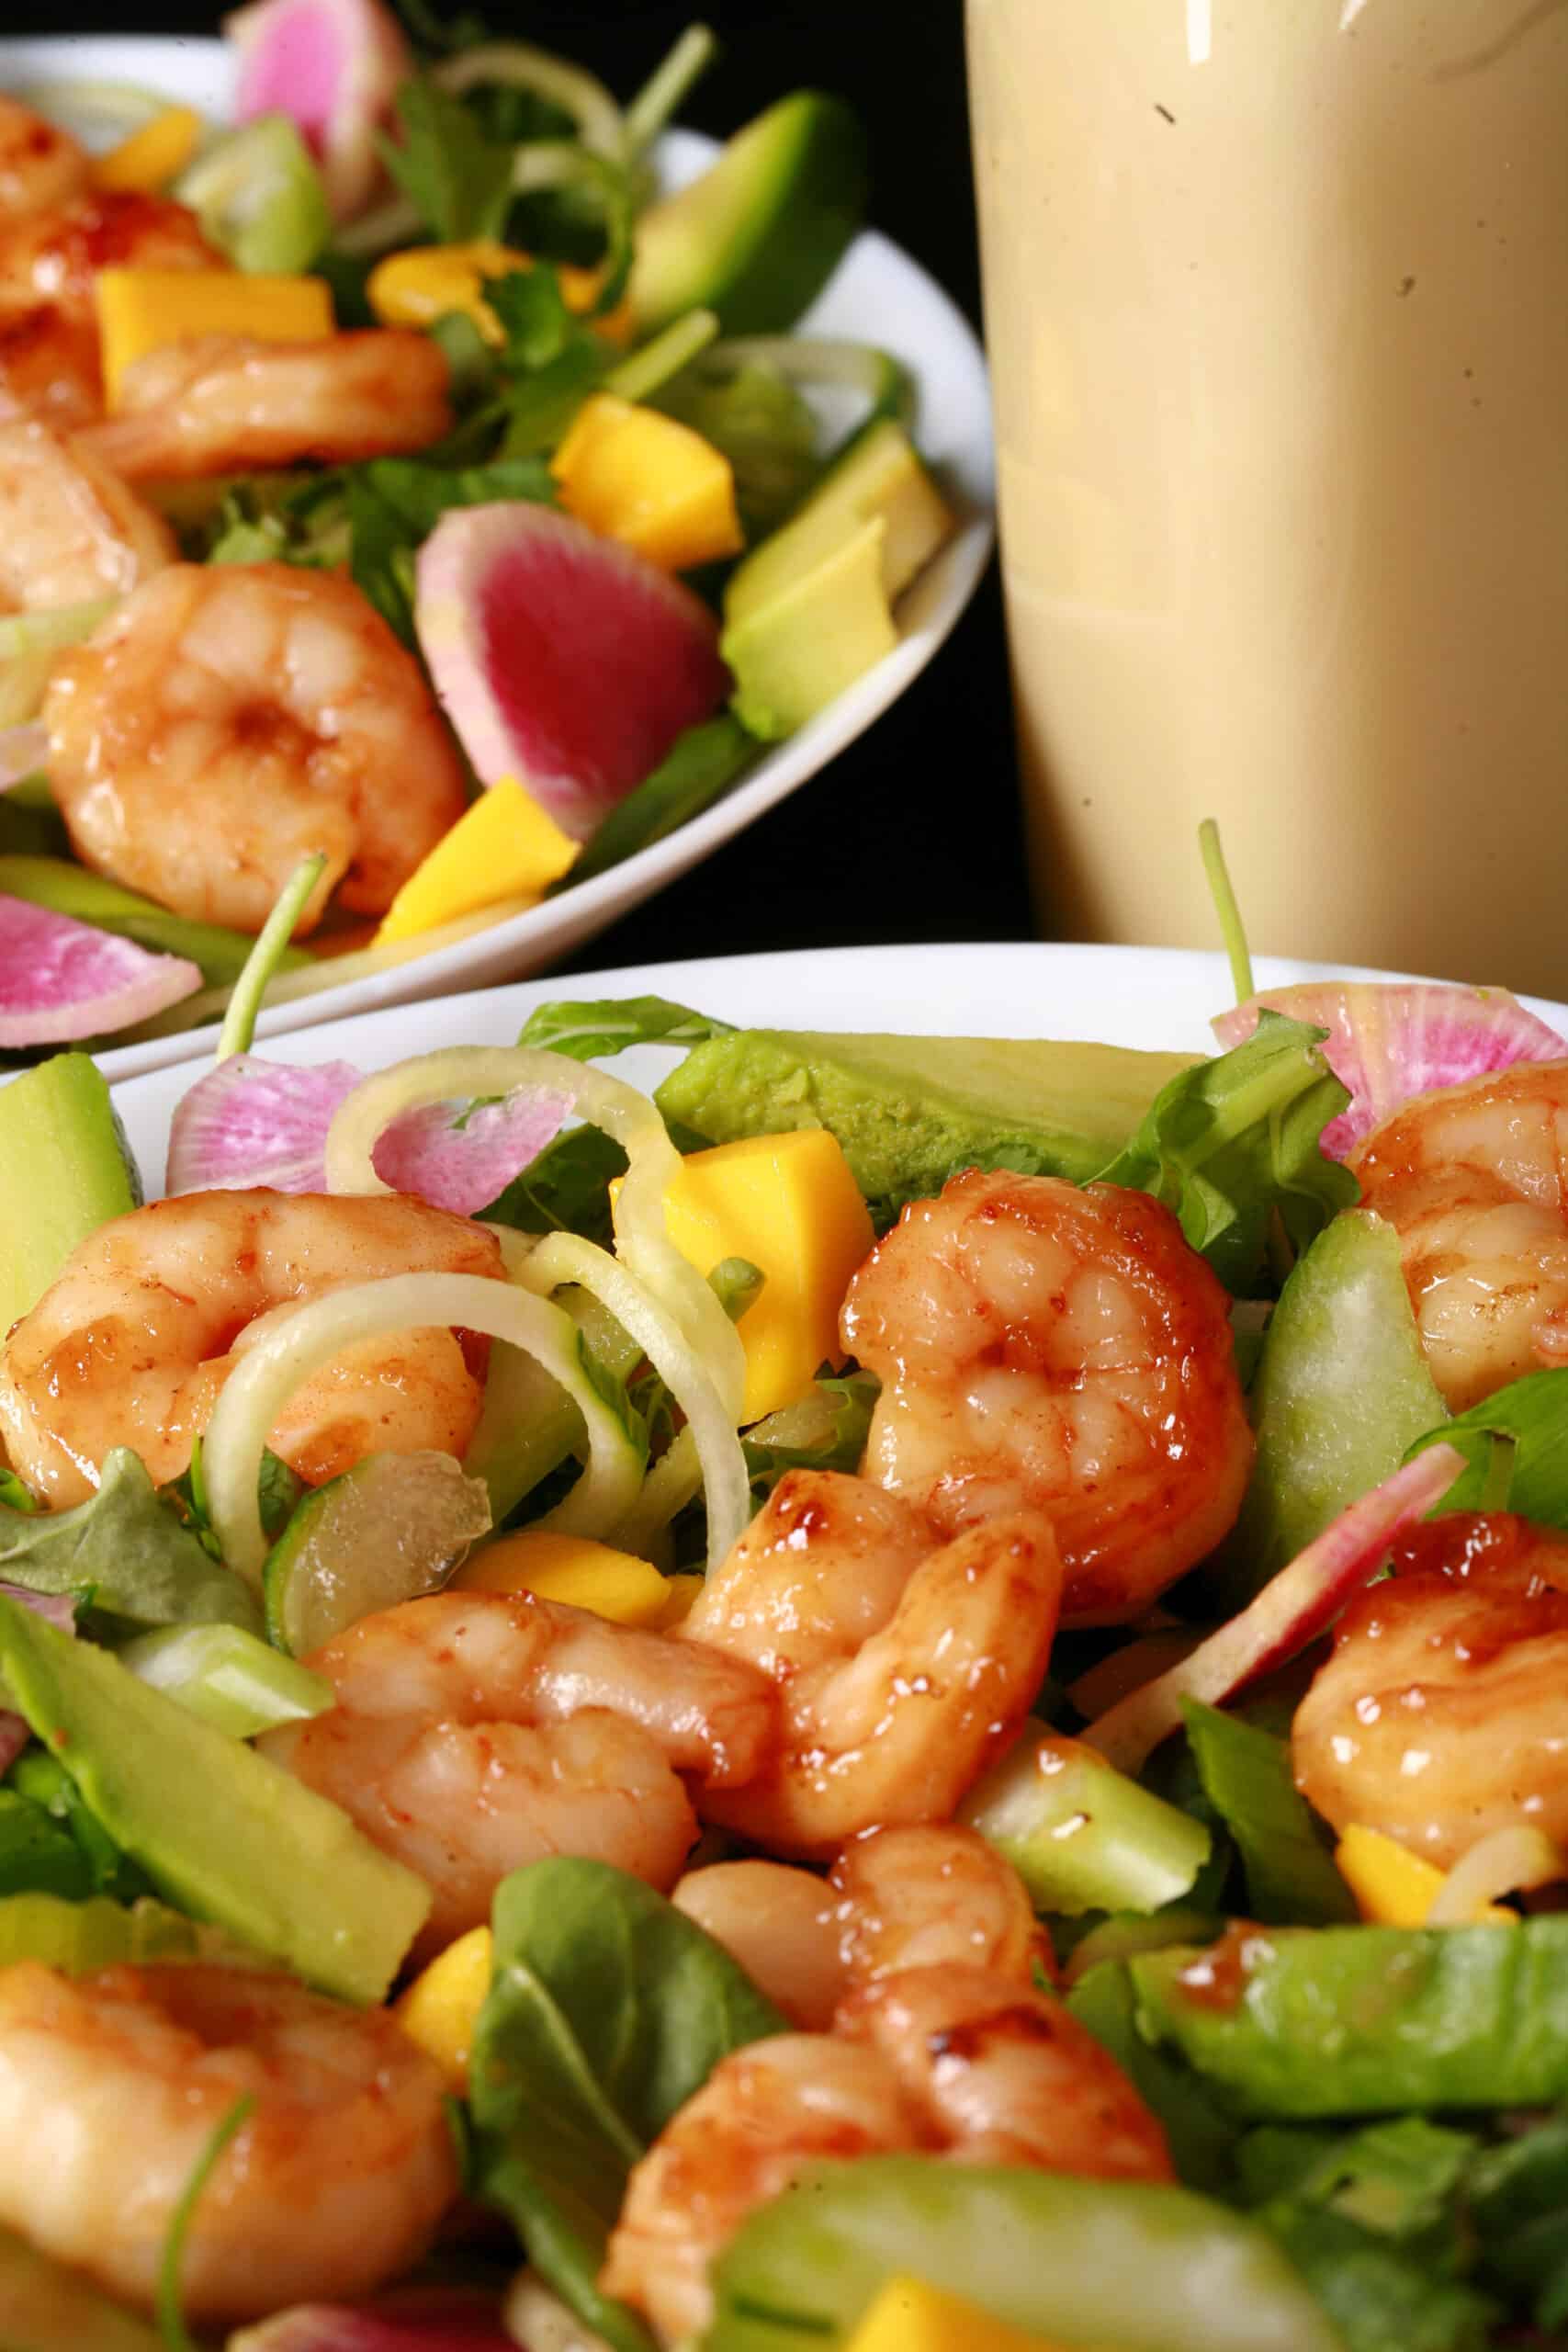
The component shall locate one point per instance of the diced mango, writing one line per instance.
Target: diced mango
(682, 1592)
(612, 1583)
(150, 158)
(142, 310)
(416, 288)
(910, 2316)
(649, 482)
(1394, 1887)
(441, 2006)
(790, 1205)
(504, 846)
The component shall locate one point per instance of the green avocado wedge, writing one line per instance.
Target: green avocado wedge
(65, 1168)
(760, 233)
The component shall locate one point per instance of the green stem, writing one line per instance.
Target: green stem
(633, 378)
(171, 2318)
(1220, 891)
(666, 87)
(272, 940)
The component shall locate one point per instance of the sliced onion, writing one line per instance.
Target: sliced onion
(642, 1242)
(563, 1258)
(516, 65)
(1508, 1861)
(61, 979)
(287, 1348)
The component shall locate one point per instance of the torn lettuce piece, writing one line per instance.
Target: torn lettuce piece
(1245, 1774)
(1515, 1450)
(130, 1549)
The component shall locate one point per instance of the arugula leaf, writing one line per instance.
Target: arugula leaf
(434, 28)
(132, 1549)
(1246, 1777)
(566, 1189)
(700, 765)
(459, 180)
(605, 1025)
(1515, 1450)
(759, 421)
(1230, 1142)
(608, 2009)
(394, 503)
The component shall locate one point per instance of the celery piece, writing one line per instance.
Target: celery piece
(259, 198)
(1081, 1835)
(229, 1678)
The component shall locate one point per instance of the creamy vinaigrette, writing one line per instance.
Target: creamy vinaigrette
(1277, 305)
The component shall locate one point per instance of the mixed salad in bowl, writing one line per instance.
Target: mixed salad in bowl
(431, 469)
(905, 1691)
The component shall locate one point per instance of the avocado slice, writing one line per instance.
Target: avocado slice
(810, 609)
(65, 1168)
(222, 1833)
(69, 889)
(760, 233)
(910, 1112)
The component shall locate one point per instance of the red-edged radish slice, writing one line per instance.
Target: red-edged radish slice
(429, 2320)
(559, 657)
(61, 979)
(1292, 1608)
(1391, 1040)
(334, 66)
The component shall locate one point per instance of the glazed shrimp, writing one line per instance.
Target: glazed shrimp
(111, 2087)
(227, 404)
(1050, 1349)
(903, 1665)
(1439, 1716)
(41, 166)
(228, 718)
(950, 2061)
(131, 1344)
(475, 1732)
(70, 530)
(898, 1898)
(1474, 1180)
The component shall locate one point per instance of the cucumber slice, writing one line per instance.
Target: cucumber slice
(229, 1678)
(259, 198)
(760, 233)
(393, 1527)
(1081, 1835)
(1084, 2262)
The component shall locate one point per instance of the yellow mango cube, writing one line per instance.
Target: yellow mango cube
(1394, 1887)
(681, 1592)
(416, 288)
(503, 846)
(142, 310)
(150, 157)
(441, 2006)
(790, 1205)
(910, 2316)
(649, 483)
(612, 1583)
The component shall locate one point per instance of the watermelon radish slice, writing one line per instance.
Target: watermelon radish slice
(61, 979)
(561, 659)
(1391, 1040)
(439, 2319)
(22, 751)
(333, 67)
(253, 1122)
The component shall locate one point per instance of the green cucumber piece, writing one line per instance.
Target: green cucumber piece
(69, 889)
(1091, 2262)
(393, 1527)
(760, 233)
(65, 1168)
(230, 1678)
(259, 198)
(220, 1831)
(1081, 1835)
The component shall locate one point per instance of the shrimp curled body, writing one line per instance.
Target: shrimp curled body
(475, 1732)
(112, 2086)
(228, 719)
(70, 530)
(1441, 1716)
(40, 165)
(902, 1664)
(1049, 1349)
(132, 1342)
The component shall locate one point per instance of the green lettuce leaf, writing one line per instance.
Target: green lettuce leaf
(825, 1429)
(1232, 1143)
(131, 1549)
(1517, 2198)
(700, 765)
(1245, 1774)
(459, 181)
(1515, 1450)
(611, 1024)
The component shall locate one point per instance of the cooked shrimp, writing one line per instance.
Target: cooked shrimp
(475, 1732)
(1441, 1715)
(132, 1343)
(111, 2087)
(901, 1668)
(70, 530)
(228, 718)
(1050, 1349)
(222, 404)
(951, 2061)
(40, 165)
(898, 1898)
(1474, 1180)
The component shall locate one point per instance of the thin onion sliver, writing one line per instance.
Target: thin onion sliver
(1506, 1861)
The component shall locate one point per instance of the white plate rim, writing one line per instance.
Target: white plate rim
(1157, 997)
(952, 368)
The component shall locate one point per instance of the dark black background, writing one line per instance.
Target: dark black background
(911, 834)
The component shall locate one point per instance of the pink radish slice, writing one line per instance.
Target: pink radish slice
(61, 979)
(437, 2320)
(22, 751)
(59, 1610)
(561, 659)
(1292, 1608)
(252, 1122)
(334, 66)
(1391, 1040)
